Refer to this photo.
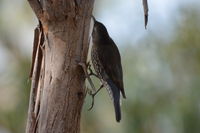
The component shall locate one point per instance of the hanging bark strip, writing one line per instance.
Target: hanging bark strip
(37, 57)
(146, 10)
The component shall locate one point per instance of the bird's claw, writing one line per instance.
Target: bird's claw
(90, 92)
(93, 95)
(91, 73)
(92, 105)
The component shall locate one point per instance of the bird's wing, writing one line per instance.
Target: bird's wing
(111, 61)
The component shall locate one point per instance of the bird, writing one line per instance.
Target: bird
(106, 61)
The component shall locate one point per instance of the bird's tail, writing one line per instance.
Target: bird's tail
(116, 99)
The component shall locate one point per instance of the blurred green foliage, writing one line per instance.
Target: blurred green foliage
(167, 86)
(162, 81)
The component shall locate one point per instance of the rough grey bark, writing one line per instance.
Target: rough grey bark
(60, 45)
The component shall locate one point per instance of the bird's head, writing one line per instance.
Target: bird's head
(99, 31)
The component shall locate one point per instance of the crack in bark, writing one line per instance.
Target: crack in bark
(52, 125)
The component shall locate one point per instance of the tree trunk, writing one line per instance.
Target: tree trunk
(60, 44)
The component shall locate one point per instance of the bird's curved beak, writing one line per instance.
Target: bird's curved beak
(93, 18)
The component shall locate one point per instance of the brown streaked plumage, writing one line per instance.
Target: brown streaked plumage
(107, 64)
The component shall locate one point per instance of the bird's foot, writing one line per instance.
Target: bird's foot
(93, 95)
(91, 73)
(84, 67)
